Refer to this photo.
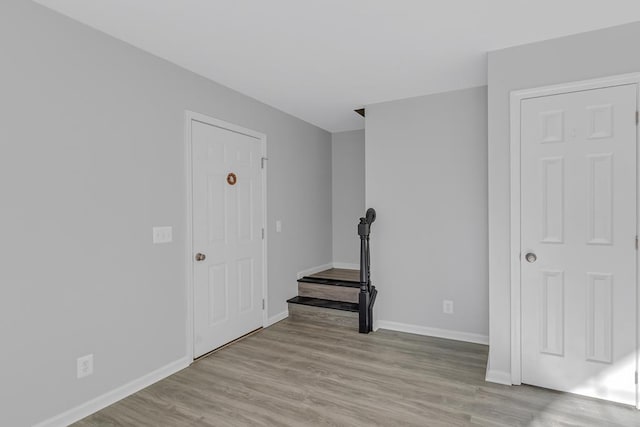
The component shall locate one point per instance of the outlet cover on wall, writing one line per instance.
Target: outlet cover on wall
(85, 366)
(447, 306)
(162, 235)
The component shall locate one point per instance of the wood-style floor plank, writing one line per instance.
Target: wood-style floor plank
(305, 374)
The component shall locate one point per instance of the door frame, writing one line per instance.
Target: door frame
(193, 116)
(516, 98)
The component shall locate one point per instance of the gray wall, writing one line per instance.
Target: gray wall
(91, 157)
(595, 54)
(426, 169)
(347, 151)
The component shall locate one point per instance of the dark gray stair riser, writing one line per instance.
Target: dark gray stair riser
(323, 316)
(334, 293)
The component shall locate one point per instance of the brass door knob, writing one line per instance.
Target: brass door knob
(200, 257)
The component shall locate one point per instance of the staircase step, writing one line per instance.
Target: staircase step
(330, 282)
(339, 274)
(323, 311)
(324, 303)
(328, 291)
(329, 298)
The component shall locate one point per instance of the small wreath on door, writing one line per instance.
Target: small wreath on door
(232, 179)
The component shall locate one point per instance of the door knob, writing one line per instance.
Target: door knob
(531, 257)
(200, 257)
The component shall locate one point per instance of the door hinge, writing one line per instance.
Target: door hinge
(263, 236)
(262, 162)
(636, 243)
(636, 377)
(263, 309)
(637, 117)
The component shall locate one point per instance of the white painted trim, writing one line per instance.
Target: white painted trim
(603, 82)
(189, 117)
(188, 158)
(277, 318)
(498, 377)
(346, 265)
(265, 246)
(514, 248)
(432, 332)
(637, 253)
(313, 270)
(111, 397)
(516, 99)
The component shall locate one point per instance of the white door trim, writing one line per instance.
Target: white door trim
(516, 98)
(189, 117)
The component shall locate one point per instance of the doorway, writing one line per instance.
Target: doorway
(226, 246)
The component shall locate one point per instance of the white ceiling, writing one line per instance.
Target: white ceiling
(320, 59)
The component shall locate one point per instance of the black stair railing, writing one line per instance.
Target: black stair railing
(368, 292)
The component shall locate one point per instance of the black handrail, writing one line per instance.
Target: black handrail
(368, 292)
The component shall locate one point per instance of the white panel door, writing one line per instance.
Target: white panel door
(578, 201)
(227, 230)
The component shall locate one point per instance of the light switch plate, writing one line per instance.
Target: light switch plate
(278, 226)
(162, 235)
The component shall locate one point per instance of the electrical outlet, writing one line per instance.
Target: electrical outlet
(447, 306)
(85, 366)
(162, 234)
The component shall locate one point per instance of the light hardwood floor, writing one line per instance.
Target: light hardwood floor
(301, 374)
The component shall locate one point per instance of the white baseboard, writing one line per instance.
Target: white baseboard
(346, 265)
(111, 397)
(314, 270)
(278, 317)
(432, 332)
(498, 377)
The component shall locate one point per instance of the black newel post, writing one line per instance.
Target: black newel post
(367, 291)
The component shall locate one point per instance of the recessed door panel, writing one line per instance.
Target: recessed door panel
(552, 126)
(552, 313)
(217, 295)
(552, 174)
(599, 317)
(245, 284)
(600, 209)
